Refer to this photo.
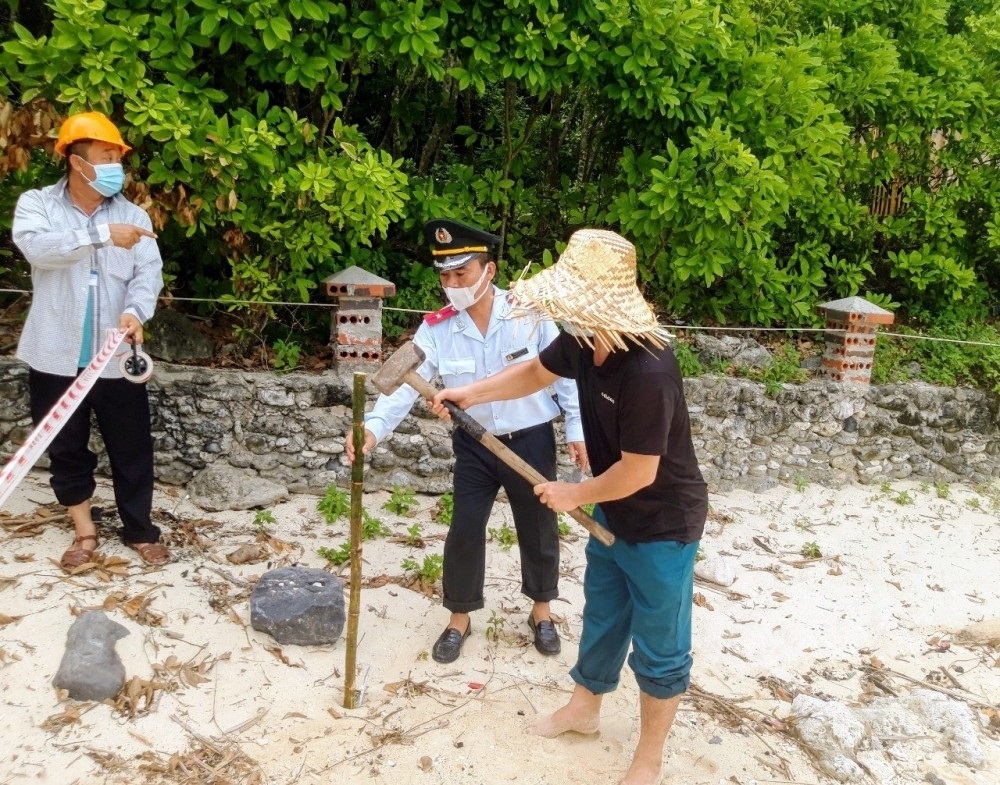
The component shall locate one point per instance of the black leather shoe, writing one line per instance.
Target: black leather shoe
(449, 644)
(546, 637)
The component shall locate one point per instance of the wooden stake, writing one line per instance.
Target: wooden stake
(357, 491)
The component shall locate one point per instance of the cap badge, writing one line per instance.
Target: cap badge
(442, 235)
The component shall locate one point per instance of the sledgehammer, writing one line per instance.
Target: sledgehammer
(401, 368)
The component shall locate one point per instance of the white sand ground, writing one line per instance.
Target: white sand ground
(903, 569)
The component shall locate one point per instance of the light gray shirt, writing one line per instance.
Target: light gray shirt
(62, 243)
(456, 350)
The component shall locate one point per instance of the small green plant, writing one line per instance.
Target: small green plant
(785, 368)
(801, 483)
(811, 550)
(802, 523)
(402, 502)
(415, 536)
(924, 486)
(334, 504)
(505, 535)
(336, 555)
(495, 625)
(263, 518)
(687, 359)
(891, 361)
(444, 508)
(699, 555)
(563, 526)
(903, 498)
(372, 527)
(885, 487)
(286, 355)
(974, 503)
(428, 571)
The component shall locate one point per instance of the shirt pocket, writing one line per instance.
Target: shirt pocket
(117, 263)
(457, 370)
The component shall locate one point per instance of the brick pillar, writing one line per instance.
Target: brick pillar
(356, 327)
(850, 351)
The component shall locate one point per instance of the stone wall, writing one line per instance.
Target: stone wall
(289, 429)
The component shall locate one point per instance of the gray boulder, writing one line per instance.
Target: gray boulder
(91, 669)
(172, 337)
(299, 605)
(221, 487)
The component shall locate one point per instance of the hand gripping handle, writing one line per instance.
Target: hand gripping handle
(504, 453)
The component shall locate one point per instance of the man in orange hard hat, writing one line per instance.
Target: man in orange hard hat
(95, 265)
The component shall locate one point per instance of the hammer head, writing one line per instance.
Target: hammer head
(394, 370)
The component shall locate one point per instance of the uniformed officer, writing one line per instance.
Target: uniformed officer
(474, 337)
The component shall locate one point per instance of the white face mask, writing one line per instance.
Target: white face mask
(464, 297)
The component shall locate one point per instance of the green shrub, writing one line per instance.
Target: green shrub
(334, 504)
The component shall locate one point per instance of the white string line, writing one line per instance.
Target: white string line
(833, 331)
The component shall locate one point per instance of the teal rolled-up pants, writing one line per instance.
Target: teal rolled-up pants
(638, 595)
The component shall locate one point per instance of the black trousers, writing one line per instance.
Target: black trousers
(122, 409)
(479, 475)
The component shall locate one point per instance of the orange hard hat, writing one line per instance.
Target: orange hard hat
(89, 125)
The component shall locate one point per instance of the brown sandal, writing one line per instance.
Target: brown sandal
(153, 553)
(78, 555)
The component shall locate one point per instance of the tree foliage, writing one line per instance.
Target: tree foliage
(764, 156)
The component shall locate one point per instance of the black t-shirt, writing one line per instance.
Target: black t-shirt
(634, 403)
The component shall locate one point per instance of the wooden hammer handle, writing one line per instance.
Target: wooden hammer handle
(504, 453)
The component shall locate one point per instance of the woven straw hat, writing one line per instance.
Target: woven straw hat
(592, 288)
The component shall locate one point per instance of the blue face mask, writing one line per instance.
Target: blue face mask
(108, 178)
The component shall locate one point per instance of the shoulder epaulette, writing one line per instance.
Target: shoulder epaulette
(439, 316)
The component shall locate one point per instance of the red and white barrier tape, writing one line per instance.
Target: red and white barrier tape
(43, 434)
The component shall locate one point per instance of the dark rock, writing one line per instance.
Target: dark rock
(298, 605)
(91, 669)
(173, 337)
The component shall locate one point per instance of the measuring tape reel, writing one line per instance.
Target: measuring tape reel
(137, 366)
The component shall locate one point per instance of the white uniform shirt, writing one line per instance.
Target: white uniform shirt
(62, 242)
(457, 351)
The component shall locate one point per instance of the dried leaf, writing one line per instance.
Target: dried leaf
(192, 677)
(136, 605)
(702, 602)
(68, 716)
(5, 619)
(137, 696)
(277, 652)
(280, 547)
(835, 570)
(426, 764)
(247, 554)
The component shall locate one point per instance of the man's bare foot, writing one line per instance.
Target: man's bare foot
(641, 773)
(568, 718)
